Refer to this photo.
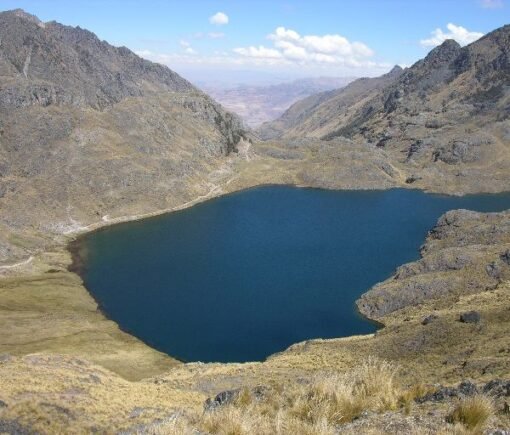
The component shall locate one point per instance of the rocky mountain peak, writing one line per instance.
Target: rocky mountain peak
(20, 13)
(444, 53)
(69, 69)
(57, 64)
(395, 71)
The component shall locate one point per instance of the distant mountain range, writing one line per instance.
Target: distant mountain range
(258, 104)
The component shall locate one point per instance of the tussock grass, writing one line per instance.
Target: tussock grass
(410, 394)
(317, 407)
(327, 401)
(339, 398)
(473, 413)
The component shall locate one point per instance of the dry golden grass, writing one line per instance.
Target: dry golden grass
(473, 413)
(414, 391)
(326, 404)
(339, 398)
(62, 395)
(317, 407)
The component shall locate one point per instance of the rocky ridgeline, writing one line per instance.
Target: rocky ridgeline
(444, 118)
(465, 253)
(49, 63)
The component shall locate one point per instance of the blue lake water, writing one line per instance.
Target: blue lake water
(245, 275)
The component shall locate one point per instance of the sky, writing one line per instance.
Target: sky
(245, 40)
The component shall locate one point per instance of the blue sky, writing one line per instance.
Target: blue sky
(288, 37)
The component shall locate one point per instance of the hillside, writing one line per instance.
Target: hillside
(89, 131)
(317, 111)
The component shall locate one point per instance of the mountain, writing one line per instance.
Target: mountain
(258, 104)
(448, 113)
(89, 129)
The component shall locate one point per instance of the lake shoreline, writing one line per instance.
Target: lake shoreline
(78, 261)
(45, 260)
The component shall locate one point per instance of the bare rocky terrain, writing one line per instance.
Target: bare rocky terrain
(465, 253)
(91, 135)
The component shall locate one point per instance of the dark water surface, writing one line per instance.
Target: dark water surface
(243, 276)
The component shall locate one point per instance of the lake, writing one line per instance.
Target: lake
(243, 276)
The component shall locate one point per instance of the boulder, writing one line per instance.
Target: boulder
(429, 319)
(467, 388)
(505, 257)
(470, 317)
(224, 398)
(229, 396)
(497, 388)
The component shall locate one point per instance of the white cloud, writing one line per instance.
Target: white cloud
(459, 33)
(491, 4)
(215, 35)
(261, 60)
(318, 54)
(186, 46)
(258, 52)
(290, 46)
(219, 19)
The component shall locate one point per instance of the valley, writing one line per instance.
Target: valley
(92, 135)
(256, 104)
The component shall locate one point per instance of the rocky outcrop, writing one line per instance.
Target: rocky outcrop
(465, 253)
(496, 388)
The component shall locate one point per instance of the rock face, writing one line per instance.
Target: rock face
(494, 388)
(464, 254)
(88, 129)
(447, 116)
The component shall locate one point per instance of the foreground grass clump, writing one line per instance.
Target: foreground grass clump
(316, 407)
(473, 413)
(339, 398)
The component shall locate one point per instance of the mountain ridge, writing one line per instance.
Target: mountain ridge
(446, 114)
(84, 124)
(439, 68)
